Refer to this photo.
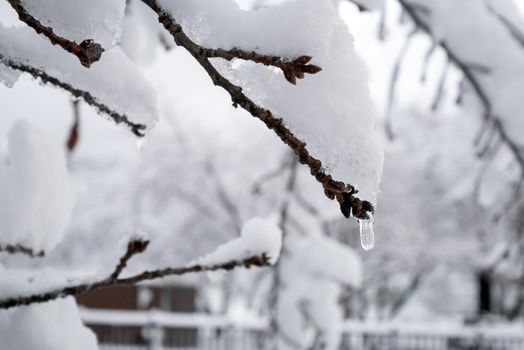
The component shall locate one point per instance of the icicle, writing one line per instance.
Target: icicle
(367, 235)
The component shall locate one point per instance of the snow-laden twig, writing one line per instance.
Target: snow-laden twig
(255, 260)
(87, 51)
(118, 118)
(344, 193)
(259, 245)
(74, 132)
(293, 69)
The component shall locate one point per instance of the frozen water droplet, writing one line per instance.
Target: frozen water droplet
(367, 235)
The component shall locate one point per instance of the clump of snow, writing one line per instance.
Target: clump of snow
(258, 237)
(332, 110)
(78, 20)
(8, 76)
(54, 325)
(37, 196)
(114, 80)
(318, 270)
(140, 32)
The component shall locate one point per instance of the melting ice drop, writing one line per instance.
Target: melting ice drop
(367, 235)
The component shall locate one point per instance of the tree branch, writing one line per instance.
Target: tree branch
(135, 246)
(137, 129)
(87, 51)
(344, 193)
(20, 249)
(257, 260)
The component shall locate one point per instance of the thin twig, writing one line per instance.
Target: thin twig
(425, 62)
(74, 132)
(256, 188)
(134, 246)
(277, 280)
(393, 84)
(441, 87)
(293, 69)
(87, 51)
(20, 249)
(223, 197)
(344, 193)
(136, 128)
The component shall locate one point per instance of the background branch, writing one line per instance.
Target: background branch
(20, 249)
(470, 75)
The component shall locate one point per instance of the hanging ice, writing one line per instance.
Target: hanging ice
(367, 235)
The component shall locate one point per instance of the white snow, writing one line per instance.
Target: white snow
(37, 197)
(78, 20)
(8, 76)
(331, 111)
(259, 236)
(114, 81)
(315, 272)
(141, 33)
(54, 325)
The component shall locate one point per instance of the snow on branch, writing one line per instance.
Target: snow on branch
(259, 237)
(136, 128)
(36, 191)
(293, 69)
(259, 245)
(87, 51)
(113, 85)
(344, 193)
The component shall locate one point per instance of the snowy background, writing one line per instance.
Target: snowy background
(390, 113)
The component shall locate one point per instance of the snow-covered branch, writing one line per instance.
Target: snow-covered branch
(256, 260)
(118, 118)
(87, 51)
(293, 69)
(259, 245)
(344, 193)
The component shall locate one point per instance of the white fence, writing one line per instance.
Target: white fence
(140, 330)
